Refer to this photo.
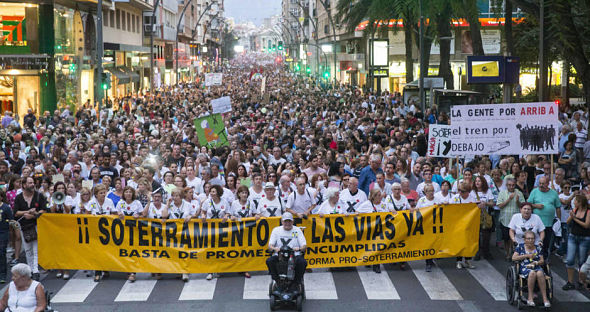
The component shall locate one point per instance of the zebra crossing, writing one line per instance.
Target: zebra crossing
(320, 285)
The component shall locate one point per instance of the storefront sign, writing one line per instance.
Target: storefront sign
(108, 243)
(24, 62)
(381, 72)
(504, 129)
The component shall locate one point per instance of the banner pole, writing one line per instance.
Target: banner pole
(552, 177)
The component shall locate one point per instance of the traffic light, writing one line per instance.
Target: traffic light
(72, 67)
(280, 46)
(106, 81)
(326, 74)
(307, 69)
(297, 68)
(274, 47)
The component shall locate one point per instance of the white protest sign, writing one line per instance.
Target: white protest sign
(439, 141)
(221, 105)
(263, 85)
(213, 79)
(505, 129)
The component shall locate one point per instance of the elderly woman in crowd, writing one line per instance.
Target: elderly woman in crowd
(23, 293)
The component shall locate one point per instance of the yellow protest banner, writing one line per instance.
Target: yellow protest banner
(107, 243)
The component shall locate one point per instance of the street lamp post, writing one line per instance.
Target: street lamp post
(421, 79)
(152, 23)
(329, 12)
(195, 31)
(99, 92)
(176, 43)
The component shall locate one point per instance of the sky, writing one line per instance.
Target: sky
(251, 10)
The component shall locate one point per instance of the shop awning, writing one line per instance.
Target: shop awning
(133, 75)
(122, 77)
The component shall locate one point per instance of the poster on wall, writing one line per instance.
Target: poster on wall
(504, 129)
(490, 39)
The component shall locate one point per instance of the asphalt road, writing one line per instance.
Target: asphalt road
(356, 289)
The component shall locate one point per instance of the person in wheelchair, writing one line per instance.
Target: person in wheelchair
(23, 293)
(287, 235)
(530, 260)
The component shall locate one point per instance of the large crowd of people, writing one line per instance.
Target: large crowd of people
(299, 147)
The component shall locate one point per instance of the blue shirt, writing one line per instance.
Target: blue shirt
(367, 177)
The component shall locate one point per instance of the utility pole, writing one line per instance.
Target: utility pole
(176, 43)
(421, 81)
(98, 91)
(152, 23)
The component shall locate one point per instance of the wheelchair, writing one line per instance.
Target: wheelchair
(278, 291)
(517, 287)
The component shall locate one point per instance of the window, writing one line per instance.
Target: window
(138, 24)
(128, 21)
(118, 18)
(326, 29)
(123, 22)
(294, 12)
(105, 19)
(133, 22)
(112, 19)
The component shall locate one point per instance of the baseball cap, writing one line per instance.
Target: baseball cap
(269, 185)
(287, 216)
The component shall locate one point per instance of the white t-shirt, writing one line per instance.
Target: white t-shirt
(256, 197)
(242, 211)
(457, 199)
(292, 238)
(178, 212)
(270, 208)
(195, 184)
(129, 209)
(74, 203)
(216, 211)
(283, 195)
(425, 202)
(300, 202)
(483, 197)
(154, 212)
(106, 208)
(326, 208)
(420, 188)
(520, 225)
(565, 209)
(439, 198)
(369, 207)
(194, 207)
(395, 204)
(351, 201)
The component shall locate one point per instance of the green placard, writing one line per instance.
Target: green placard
(211, 131)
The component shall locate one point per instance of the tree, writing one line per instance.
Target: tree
(567, 22)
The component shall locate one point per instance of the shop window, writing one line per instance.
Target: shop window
(118, 14)
(123, 22)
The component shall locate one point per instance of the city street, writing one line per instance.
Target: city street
(358, 289)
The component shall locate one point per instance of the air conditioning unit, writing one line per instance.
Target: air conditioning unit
(149, 29)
